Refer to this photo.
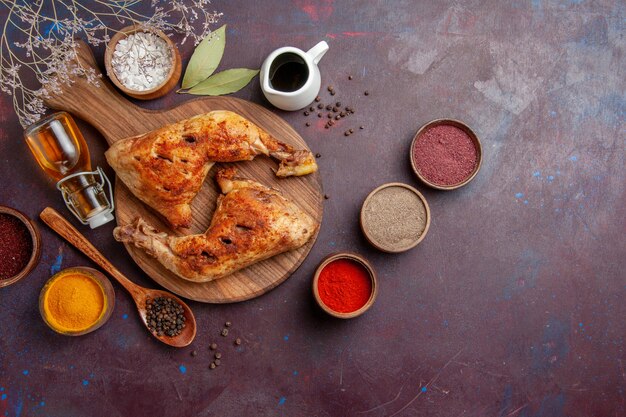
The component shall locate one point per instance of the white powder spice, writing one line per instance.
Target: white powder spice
(141, 61)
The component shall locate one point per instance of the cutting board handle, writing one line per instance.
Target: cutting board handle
(97, 103)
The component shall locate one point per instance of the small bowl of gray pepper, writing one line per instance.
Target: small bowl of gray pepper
(143, 62)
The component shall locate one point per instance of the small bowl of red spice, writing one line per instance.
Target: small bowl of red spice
(446, 154)
(345, 285)
(20, 245)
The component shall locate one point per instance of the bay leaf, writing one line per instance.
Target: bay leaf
(224, 82)
(205, 58)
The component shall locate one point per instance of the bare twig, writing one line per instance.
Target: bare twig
(34, 68)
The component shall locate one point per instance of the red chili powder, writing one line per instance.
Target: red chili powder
(445, 155)
(344, 286)
(16, 246)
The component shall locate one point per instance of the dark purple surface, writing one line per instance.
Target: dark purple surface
(513, 305)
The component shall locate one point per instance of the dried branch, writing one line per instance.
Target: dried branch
(35, 68)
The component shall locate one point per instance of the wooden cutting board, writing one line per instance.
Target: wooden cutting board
(117, 118)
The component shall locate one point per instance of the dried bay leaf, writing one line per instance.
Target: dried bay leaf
(205, 58)
(224, 82)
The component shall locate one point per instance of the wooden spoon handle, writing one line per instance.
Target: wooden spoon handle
(68, 232)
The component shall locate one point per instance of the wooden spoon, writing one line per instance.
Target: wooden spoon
(140, 294)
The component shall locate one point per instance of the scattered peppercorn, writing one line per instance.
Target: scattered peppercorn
(224, 332)
(217, 362)
(332, 93)
(338, 104)
(326, 197)
(337, 117)
(346, 133)
(343, 114)
(165, 316)
(306, 113)
(218, 355)
(320, 106)
(308, 124)
(329, 107)
(194, 353)
(367, 93)
(335, 109)
(319, 114)
(318, 99)
(330, 115)
(317, 155)
(213, 346)
(237, 341)
(361, 127)
(212, 365)
(311, 109)
(351, 130)
(330, 88)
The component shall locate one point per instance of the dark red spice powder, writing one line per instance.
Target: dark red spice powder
(16, 246)
(344, 286)
(445, 155)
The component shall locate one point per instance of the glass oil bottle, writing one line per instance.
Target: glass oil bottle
(61, 151)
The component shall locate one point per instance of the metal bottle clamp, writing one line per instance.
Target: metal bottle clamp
(99, 187)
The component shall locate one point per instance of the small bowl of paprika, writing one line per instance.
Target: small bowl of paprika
(76, 301)
(345, 285)
(445, 154)
(20, 246)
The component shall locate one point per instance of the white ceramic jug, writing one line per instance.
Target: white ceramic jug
(290, 77)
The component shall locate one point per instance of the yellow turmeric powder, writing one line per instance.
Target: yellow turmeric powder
(74, 302)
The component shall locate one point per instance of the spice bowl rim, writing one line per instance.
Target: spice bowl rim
(377, 245)
(105, 285)
(35, 236)
(467, 130)
(157, 91)
(355, 257)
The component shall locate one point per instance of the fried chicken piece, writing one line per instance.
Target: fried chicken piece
(251, 223)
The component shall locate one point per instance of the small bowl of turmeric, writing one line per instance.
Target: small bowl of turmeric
(76, 301)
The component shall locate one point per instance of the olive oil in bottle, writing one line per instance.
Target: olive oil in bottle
(61, 151)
